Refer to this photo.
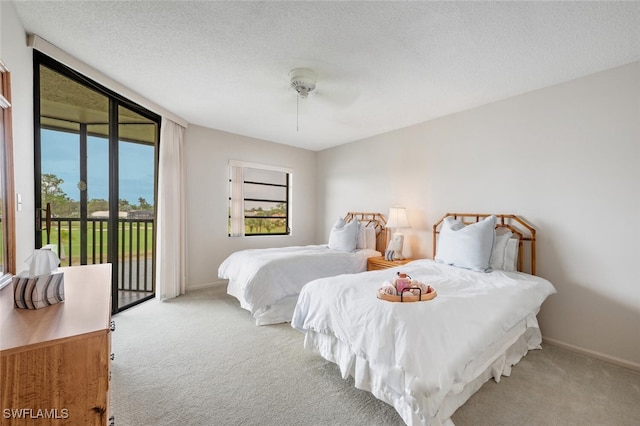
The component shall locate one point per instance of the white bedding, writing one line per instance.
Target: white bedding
(424, 358)
(268, 281)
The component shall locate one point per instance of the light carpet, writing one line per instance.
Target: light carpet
(199, 359)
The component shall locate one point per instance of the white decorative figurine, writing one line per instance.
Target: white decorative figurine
(395, 246)
(397, 219)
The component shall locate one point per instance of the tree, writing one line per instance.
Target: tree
(279, 210)
(251, 223)
(143, 205)
(124, 206)
(52, 193)
(268, 224)
(50, 184)
(97, 205)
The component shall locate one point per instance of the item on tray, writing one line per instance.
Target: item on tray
(402, 282)
(389, 289)
(405, 289)
(419, 288)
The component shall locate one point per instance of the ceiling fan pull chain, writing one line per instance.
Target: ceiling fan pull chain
(297, 113)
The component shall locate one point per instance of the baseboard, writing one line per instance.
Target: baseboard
(610, 359)
(207, 285)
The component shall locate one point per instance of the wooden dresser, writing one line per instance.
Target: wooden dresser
(54, 361)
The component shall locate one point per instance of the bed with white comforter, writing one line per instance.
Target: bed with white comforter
(424, 358)
(267, 281)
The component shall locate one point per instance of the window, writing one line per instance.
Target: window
(7, 206)
(259, 200)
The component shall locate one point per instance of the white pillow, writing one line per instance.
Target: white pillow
(344, 236)
(366, 237)
(511, 255)
(362, 237)
(499, 247)
(468, 246)
(371, 237)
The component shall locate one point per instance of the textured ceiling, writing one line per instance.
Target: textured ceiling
(380, 65)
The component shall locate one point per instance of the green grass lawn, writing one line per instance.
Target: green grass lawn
(281, 229)
(129, 237)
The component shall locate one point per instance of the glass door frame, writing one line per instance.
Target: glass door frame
(115, 101)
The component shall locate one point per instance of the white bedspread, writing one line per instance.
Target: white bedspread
(418, 353)
(260, 278)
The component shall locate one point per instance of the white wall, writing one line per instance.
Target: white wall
(207, 155)
(565, 158)
(18, 59)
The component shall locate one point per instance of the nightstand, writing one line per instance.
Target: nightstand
(375, 263)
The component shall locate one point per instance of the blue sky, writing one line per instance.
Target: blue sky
(60, 156)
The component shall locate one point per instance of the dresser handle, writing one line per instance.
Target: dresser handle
(112, 325)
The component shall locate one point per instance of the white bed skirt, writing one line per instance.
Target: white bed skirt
(387, 384)
(281, 311)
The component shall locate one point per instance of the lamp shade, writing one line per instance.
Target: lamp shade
(398, 218)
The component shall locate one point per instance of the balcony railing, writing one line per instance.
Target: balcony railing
(135, 247)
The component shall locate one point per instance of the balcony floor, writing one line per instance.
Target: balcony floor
(127, 297)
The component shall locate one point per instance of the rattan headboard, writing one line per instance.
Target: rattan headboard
(376, 220)
(525, 232)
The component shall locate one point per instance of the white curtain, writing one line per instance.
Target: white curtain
(237, 200)
(171, 225)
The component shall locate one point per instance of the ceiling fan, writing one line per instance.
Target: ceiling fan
(303, 81)
(332, 94)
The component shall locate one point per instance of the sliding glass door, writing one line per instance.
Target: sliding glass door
(95, 165)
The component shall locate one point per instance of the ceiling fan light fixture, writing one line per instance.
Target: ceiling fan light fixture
(303, 81)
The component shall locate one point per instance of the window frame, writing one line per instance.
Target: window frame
(237, 199)
(7, 187)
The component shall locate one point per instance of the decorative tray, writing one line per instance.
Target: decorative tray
(422, 298)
